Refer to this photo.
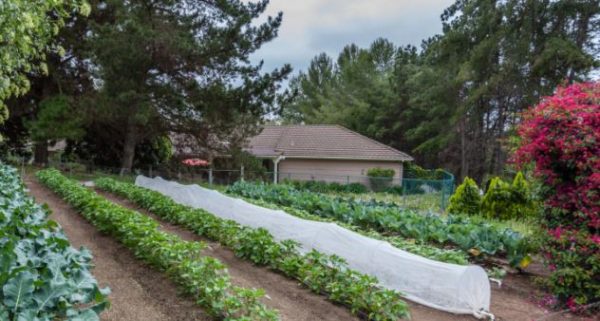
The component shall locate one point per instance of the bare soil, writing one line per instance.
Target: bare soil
(141, 293)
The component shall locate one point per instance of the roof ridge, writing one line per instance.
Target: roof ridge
(371, 139)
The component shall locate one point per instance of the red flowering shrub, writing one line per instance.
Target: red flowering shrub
(561, 137)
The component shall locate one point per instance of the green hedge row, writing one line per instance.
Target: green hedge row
(321, 273)
(502, 200)
(202, 277)
(42, 277)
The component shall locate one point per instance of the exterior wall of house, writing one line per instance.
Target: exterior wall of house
(341, 171)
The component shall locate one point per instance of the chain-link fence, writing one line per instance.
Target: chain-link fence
(425, 190)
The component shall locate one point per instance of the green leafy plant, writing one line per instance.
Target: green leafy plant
(325, 187)
(380, 178)
(41, 276)
(476, 237)
(466, 199)
(497, 201)
(204, 278)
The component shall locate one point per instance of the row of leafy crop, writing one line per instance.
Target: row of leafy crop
(321, 273)
(429, 251)
(476, 237)
(204, 278)
(41, 276)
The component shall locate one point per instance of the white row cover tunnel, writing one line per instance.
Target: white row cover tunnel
(448, 287)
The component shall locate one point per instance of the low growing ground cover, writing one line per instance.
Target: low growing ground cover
(204, 278)
(475, 236)
(322, 274)
(42, 277)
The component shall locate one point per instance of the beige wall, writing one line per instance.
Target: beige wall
(341, 171)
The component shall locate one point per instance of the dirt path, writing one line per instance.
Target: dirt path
(139, 293)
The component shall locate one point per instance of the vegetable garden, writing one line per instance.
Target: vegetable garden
(319, 272)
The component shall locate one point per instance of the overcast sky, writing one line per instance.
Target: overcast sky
(314, 26)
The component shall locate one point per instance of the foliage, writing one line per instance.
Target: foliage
(205, 278)
(561, 137)
(327, 187)
(501, 200)
(497, 199)
(26, 33)
(380, 178)
(380, 172)
(56, 120)
(466, 199)
(452, 103)
(319, 272)
(41, 276)
(468, 235)
(414, 171)
(425, 250)
(181, 67)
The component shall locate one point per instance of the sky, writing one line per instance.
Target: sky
(313, 26)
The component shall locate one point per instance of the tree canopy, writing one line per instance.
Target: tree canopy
(454, 102)
(26, 31)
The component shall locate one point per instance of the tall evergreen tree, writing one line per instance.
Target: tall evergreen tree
(181, 66)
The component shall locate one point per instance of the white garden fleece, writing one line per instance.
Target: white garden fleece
(443, 286)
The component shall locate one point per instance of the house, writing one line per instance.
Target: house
(328, 153)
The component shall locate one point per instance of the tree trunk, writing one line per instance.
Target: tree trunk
(129, 147)
(464, 170)
(40, 153)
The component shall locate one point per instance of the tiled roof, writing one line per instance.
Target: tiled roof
(320, 142)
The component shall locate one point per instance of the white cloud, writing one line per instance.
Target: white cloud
(314, 26)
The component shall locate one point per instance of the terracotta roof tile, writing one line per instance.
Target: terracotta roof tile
(320, 142)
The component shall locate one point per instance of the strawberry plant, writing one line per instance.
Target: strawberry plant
(204, 278)
(41, 276)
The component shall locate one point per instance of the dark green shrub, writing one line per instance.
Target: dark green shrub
(324, 187)
(509, 201)
(396, 189)
(497, 201)
(380, 178)
(524, 204)
(356, 188)
(466, 199)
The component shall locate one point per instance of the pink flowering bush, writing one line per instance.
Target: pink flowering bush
(561, 138)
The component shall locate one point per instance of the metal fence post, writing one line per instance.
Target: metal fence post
(242, 173)
(210, 176)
